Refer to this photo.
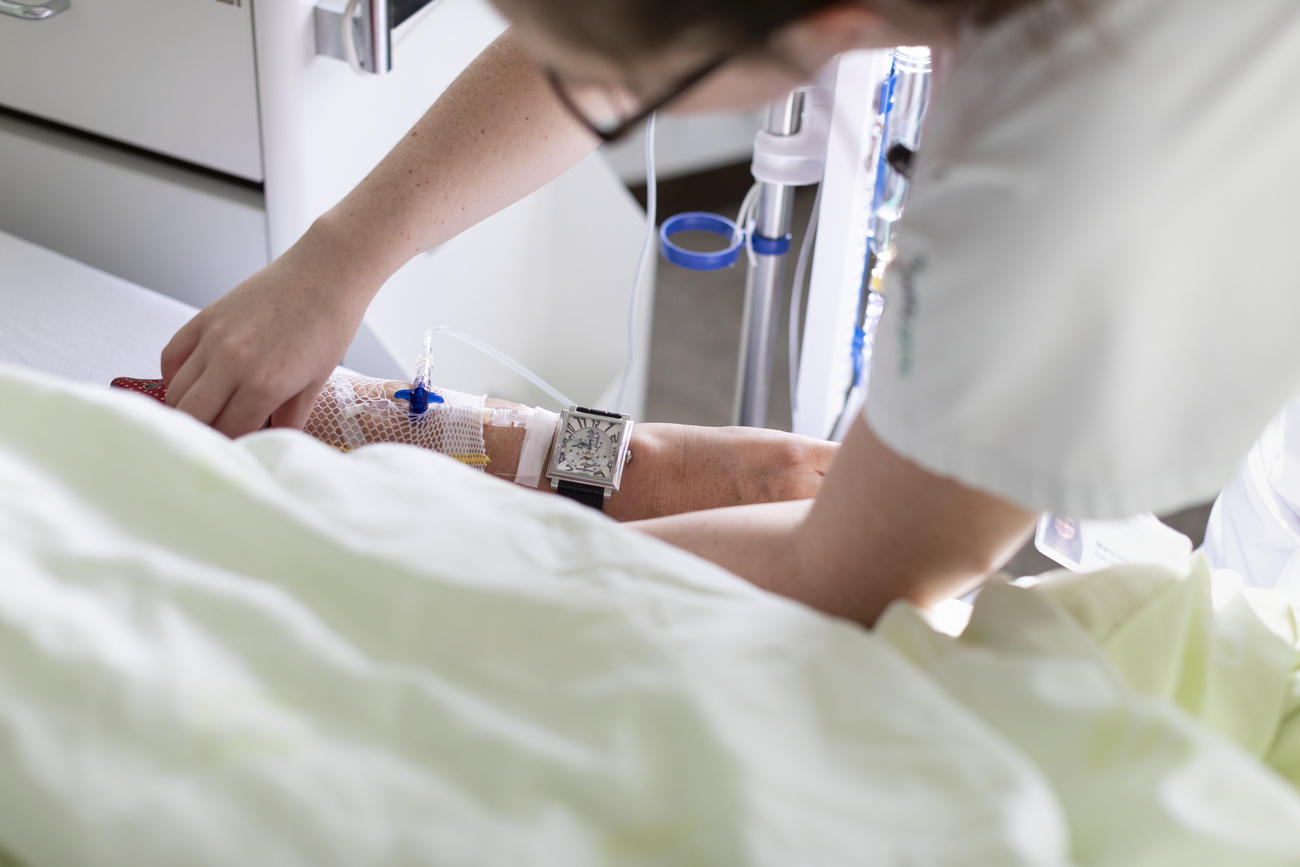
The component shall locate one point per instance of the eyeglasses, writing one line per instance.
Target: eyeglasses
(611, 112)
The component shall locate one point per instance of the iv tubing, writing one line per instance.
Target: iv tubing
(745, 223)
(796, 294)
(509, 362)
(651, 207)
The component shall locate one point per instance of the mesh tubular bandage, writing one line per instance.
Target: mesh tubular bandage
(354, 411)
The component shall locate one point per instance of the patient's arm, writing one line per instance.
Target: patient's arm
(684, 468)
(674, 468)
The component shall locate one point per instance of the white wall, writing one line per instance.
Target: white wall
(686, 144)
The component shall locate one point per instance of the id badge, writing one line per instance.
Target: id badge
(1085, 545)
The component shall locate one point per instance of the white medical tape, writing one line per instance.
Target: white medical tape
(538, 434)
(507, 416)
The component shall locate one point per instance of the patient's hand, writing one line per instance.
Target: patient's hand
(683, 468)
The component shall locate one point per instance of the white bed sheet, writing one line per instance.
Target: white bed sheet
(63, 317)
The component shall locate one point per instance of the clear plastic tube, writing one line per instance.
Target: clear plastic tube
(424, 364)
(506, 360)
(858, 394)
(909, 96)
(651, 209)
(743, 220)
(796, 295)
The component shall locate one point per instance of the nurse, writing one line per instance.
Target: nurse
(1092, 310)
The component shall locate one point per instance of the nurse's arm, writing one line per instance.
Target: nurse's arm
(497, 134)
(267, 347)
(881, 529)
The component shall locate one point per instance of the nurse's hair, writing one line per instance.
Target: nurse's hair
(638, 27)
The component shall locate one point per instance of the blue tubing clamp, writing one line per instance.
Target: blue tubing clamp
(764, 246)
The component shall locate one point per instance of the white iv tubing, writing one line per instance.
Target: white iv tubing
(651, 207)
(509, 362)
(796, 294)
(745, 223)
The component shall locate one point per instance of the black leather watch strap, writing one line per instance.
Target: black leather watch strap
(588, 495)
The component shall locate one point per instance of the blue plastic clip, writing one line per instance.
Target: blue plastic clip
(765, 246)
(859, 345)
(419, 398)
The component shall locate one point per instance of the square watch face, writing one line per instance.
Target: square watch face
(588, 448)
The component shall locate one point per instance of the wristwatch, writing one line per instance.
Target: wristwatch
(589, 453)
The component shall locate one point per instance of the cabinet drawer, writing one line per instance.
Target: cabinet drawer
(176, 230)
(173, 76)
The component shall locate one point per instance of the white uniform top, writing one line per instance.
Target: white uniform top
(1096, 305)
(1254, 528)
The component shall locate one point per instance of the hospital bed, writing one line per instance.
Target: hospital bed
(68, 319)
(265, 651)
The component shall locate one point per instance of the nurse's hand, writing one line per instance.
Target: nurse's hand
(264, 350)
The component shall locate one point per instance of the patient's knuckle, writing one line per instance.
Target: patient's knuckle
(236, 352)
(260, 387)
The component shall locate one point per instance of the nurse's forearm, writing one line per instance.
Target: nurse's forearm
(496, 134)
(757, 542)
(881, 528)
(773, 546)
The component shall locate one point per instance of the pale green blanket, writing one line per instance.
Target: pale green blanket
(266, 652)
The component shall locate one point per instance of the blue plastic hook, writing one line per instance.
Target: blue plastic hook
(700, 221)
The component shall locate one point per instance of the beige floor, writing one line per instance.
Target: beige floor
(694, 352)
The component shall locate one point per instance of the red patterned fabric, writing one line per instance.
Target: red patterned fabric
(154, 388)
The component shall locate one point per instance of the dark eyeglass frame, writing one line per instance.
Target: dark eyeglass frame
(628, 124)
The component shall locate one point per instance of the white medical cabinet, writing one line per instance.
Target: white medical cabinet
(182, 144)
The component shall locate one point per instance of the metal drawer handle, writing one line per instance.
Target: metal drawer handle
(371, 34)
(38, 12)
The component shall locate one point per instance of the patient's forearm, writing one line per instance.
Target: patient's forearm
(672, 468)
(685, 468)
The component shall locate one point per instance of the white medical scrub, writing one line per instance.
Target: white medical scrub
(1096, 305)
(1254, 528)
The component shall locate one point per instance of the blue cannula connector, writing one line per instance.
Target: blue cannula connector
(419, 396)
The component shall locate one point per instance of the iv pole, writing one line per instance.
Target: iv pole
(771, 241)
(789, 152)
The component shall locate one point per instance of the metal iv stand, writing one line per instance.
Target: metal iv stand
(789, 152)
(771, 241)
